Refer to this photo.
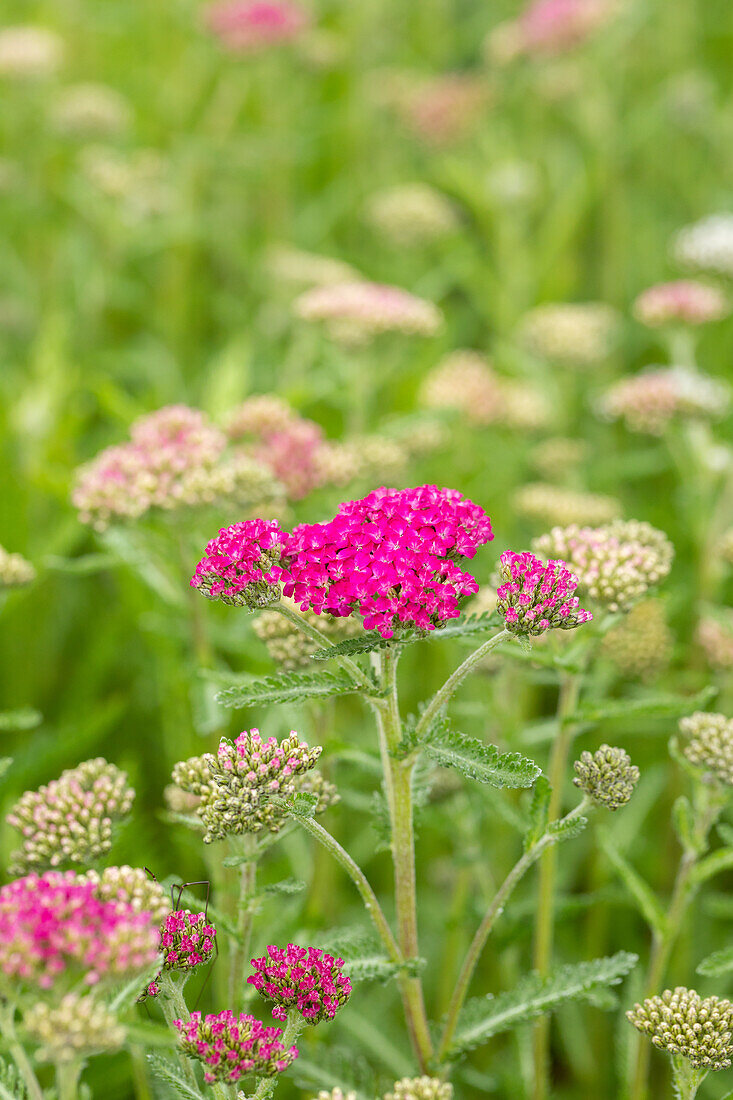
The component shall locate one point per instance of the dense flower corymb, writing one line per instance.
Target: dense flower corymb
(616, 563)
(232, 1047)
(684, 301)
(607, 776)
(78, 1025)
(236, 786)
(250, 25)
(70, 819)
(54, 929)
(134, 887)
(650, 400)
(303, 978)
(187, 940)
(579, 334)
(15, 571)
(388, 557)
(356, 312)
(536, 596)
(682, 1022)
(240, 564)
(711, 744)
(420, 1088)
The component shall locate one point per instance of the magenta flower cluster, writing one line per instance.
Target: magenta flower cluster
(187, 940)
(302, 978)
(234, 1046)
(54, 927)
(255, 24)
(240, 565)
(536, 596)
(389, 557)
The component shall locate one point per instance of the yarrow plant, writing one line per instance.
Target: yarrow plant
(685, 302)
(607, 776)
(710, 744)
(187, 941)
(304, 979)
(251, 25)
(536, 596)
(241, 565)
(71, 819)
(357, 312)
(232, 1047)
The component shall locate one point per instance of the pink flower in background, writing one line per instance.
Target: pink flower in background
(356, 312)
(684, 301)
(303, 978)
(292, 454)
(551, 26)
(250, 25)
(536, 596)
(54, 929)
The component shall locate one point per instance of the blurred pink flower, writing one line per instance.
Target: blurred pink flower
(255, 24)
(684, 301)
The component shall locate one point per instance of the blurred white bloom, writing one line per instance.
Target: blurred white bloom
(411, 214)
(707, 245)
(91, 110)
(28, 51)
(579, 334)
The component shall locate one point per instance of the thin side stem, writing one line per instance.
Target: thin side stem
(398, 784)
(442, 696)
(686, 1078)
(361, 882)
(18, 1054)
(545, 918)
(494, 911)
(245, 921)
(356, 674)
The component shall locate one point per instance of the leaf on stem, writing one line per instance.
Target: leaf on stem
(371, 642)
(722, 860)
(539, 808)
(485, 1017)
(566, 828)
(640, 890)
(659, 706)
(286, 689)
(479, 761)
(173, 1076)
(720, 962)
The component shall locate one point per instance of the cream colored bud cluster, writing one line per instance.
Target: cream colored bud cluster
(357, 312)
(410, 215)
(299, 270)
(91, 110)
(70, 820)
(711, 744)
(15, 571)
(555, 505)
(554, 457)
(681, 1022)
(420, 1088)
(607, 776)
(133, 886)
(237, 786)
(78, 1025)
(616, 563)
(576, 334)
(466, 381)
(640, 646)
(288, 646)
(714, 635)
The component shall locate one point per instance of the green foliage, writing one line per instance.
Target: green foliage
(12, 1086)
(293, 688)
(485, 1017)
(334, 1067)
(564, 829)
(172, 1074)
(647, 706)
(465, 627)
(717, 964)
(476, 760)
(539, 808)
(646, 900)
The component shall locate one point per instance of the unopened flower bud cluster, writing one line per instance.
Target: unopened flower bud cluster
(288, 646)
(607, 776)
(70, 820)
(15, 571)
(575, 334)
(134, 887)
(465, 381)
(640, 645)
(420, 1088)
(714, 635)
(78, 1025)
(556, 505)
(681, 1022)
(411, 214)
(236, 787)
(711, 743)
(616, 563)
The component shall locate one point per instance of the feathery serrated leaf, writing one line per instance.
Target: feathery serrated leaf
(538, 811)
(285, 689)
(332, 1067)
(567, 830)
(479, 761)
(371, 641)
(719, 962)
(173, 1076)
(285, 886)
(485, 1017)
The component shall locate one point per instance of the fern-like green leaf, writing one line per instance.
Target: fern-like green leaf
(173, 1075)
(485, 1017)
(476, 760)
(12, 1085)
(370, 642)
(717, 964)
(567, 830)
(285, 689)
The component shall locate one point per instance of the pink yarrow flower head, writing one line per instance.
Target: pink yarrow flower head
(683, 302)
(302, 978)
(536, 596)
(231, 1047)
(55, 932)
(187, 940)
(390, 558)
(356, 312)
(251, 25)
(553, 26)
(241, 565)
